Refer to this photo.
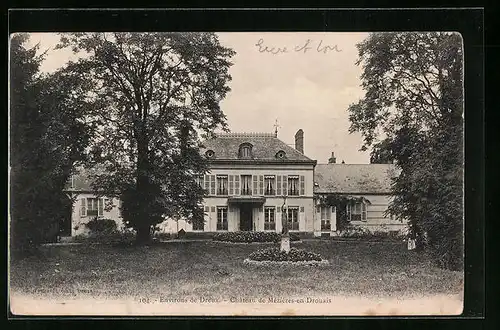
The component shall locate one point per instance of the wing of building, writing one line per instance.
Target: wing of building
(250, 173)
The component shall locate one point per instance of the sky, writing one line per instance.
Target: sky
(309, 86)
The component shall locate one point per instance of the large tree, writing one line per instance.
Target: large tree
(46, 139)
(412, 113)
(155, 94)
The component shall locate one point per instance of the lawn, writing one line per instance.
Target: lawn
(215, 270)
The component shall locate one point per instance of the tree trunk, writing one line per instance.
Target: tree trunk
(143, 235)
(143, 223)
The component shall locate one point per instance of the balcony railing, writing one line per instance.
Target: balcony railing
(222, 191)
(246, 191)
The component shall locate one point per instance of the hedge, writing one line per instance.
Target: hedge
(101, 226)
(274, 254)
(251, 237)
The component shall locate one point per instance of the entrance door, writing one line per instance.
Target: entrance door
(246, 221)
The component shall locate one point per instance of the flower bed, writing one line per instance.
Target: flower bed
(251, 237)
(359, 233)
(294, 256)
(285, 263)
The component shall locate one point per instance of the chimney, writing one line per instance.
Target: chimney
(299, 140)
(332, 160)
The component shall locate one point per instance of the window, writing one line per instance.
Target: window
(280, 154)
(293, 218)
(221, 184)
(200, 180)
(356, 212)
(210, 153)
(269, 185)
(246, 184)
(245, 150)
(325, 218)
(92, 207)
(269, 218)
(222, 218)
(293, 185)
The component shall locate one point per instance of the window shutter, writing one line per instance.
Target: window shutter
(231, 184)
(363, 211)
(100, 207)
(302, 185)
(236, 184)
(261, 185)
(255, 186)
(207, 184)
(201, 181)
(348, 212)
(278, 185)
(83, 208)
(285, 185)
(212, 184)
(329, 213)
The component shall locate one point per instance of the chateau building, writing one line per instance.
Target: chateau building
(250, 174)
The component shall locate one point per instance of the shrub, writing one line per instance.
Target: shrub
(362, 233)
(113, 237)
(162, 236)
(101, 226)
(274, 254)
(251, 237)
(355, 232)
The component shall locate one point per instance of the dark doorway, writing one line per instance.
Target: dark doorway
(246, 221)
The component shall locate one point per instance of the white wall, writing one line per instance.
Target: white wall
(78, 221)
(375, 218)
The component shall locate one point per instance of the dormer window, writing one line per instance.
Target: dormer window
(210, 154)
(281, 154)
(245, 151)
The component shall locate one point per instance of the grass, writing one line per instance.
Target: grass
(213, 270)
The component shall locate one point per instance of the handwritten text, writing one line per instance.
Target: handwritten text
(305, 47)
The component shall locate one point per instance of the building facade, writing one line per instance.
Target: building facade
(369, 183)
(252, 175)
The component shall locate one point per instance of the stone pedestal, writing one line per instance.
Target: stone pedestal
(285, 244)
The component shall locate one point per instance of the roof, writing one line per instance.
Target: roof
(81, 180)
(354, 178)
(265, 146)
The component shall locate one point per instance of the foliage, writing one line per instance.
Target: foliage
(274, 254)
(412, 113)
(340, 202)
(46, 139)
(112, 237)
(251, 236)
(365, 234)
(103, 226)
(162, 235)
(381, 153)
(155, 94)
